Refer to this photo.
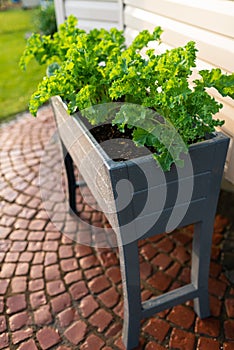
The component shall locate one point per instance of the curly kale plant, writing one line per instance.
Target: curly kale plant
(96, 67)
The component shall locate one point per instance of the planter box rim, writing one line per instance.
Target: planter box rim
(110, 163)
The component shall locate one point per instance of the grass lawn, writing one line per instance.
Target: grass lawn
(15, 86)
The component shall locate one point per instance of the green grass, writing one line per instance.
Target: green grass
(16, 86)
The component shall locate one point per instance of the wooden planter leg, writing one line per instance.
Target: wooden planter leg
(201, 253)
(129, 263)
(71, 181)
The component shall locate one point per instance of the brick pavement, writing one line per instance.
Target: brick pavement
(56, 293)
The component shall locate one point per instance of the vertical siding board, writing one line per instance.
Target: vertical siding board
(59, 11)
(101, 11)
(91, 14)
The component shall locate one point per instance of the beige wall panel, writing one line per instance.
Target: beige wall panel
(212, 47)
(94, 10)
(216, 16)
(215, 50)
(91, 14)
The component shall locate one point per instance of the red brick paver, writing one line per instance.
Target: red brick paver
(57, 293)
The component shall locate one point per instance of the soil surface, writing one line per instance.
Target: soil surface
(118, 145)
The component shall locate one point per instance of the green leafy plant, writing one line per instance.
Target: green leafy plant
(92, 68)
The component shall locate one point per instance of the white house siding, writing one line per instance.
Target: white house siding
(210, 23)
(91, 14)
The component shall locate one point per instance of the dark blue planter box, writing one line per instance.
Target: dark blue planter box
(159, 202)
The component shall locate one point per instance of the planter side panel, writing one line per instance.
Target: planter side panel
(88, 158)
(156, 196)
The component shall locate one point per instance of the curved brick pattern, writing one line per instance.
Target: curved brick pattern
(215, 306)
(88, 305)
(182, 316)
(154, 346)
(208, 344)
(229, 329)
(100, 319)
(42, 315)
(92, 342)
(18, 336)
(229, 304)
(228, 346)
(67, 316)
(19, 320)
(182, 340)
(76, 332)
(58, 294)
(48, 337)
(157, 328)
(209, 326)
